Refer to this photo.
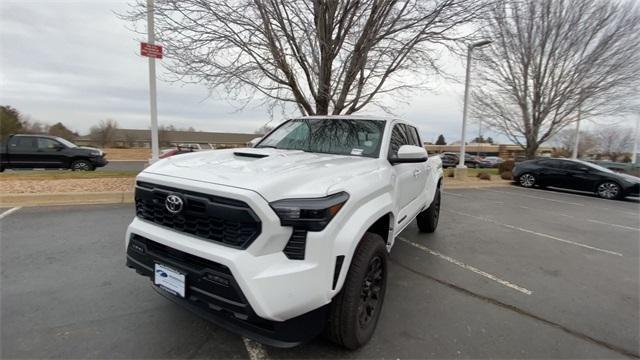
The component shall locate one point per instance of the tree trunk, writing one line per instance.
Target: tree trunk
(531, 150)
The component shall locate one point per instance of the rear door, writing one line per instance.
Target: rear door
(551, 173)
(23, 151)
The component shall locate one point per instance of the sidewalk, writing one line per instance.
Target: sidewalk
(120, 190)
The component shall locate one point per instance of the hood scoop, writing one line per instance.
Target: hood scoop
(250, 154)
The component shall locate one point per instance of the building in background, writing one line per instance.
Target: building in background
(135, 138)
(505, 151)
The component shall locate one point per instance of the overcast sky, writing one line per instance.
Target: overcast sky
(77, 62)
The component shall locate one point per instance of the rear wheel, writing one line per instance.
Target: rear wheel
(355, 310)
(428, 219)
(609, 190)
(527, 180)
(82, 165)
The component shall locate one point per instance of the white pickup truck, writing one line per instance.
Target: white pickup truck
(283, 240)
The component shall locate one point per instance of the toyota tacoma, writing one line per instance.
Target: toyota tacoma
(289, 238)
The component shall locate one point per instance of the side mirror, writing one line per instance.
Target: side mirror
(58, 147)
(410, 154)
(254, 142)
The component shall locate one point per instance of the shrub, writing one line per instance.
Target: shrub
(506, 175)
(483, 175)
(506, 166)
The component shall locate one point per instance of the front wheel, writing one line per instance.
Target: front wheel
(428, 219)
(355, 310)
(608, 190)
(82, 165)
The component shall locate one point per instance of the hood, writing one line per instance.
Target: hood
(89, 149)
(273, 173)
(629, 178)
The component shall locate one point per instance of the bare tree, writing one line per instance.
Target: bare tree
(564, 140)
(552, 59)
(322, 56)
(103, 133)
(614, 141)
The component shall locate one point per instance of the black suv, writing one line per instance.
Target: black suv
(41, 151)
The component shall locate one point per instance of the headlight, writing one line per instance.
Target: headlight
(310, 214)
(95, 153)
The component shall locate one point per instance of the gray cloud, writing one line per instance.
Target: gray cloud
(76, 62)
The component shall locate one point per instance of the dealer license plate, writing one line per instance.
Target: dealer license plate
(169, 280)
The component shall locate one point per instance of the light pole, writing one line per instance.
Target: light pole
(634, 156)
(462, 174)
(151, 38)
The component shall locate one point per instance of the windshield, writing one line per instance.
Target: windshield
(330, 136)
(66, 143)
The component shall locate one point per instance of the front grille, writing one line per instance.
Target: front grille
(218, 219)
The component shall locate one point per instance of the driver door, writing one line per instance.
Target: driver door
(409, 179)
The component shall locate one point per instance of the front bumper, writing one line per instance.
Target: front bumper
(213, 293)
(99, 161)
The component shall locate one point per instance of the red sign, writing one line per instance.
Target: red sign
(149, 50)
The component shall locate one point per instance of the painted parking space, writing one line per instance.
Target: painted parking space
(473, 289)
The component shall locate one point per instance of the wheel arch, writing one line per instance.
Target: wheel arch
(375, 216)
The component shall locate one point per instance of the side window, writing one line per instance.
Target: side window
(23, 143)
(47, 144)
(398, 138)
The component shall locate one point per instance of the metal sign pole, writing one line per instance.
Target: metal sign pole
(152, 85)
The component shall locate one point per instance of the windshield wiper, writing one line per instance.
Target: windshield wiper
(266, 146)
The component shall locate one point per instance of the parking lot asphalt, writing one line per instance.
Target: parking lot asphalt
(510, 273)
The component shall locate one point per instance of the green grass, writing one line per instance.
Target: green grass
(63, 174)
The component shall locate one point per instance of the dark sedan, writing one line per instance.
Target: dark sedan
(576, 175)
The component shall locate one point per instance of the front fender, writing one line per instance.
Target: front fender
(349, 237)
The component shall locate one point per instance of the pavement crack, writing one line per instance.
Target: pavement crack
(575, 333)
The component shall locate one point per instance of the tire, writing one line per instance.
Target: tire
(609, 190)
(527, 180)
(354, 312)
(428, 219)
(82, 165)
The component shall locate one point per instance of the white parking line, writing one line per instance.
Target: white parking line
(582, 196)
(468, 267)
(9, 212)
(538, 233)
(531, 196)
(583, 219)
(255, 350)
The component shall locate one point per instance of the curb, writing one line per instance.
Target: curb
(126, 197)
(75, 198)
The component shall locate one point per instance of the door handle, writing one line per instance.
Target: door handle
(417, 172)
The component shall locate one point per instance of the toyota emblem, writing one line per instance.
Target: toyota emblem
(174, 204)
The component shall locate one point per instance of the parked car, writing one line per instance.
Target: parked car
(576, 175)
(288, 238)
(491, 161)
(450, 159)
(176, 151)
(51, 152)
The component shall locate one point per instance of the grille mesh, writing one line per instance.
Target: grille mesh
(226, 221)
